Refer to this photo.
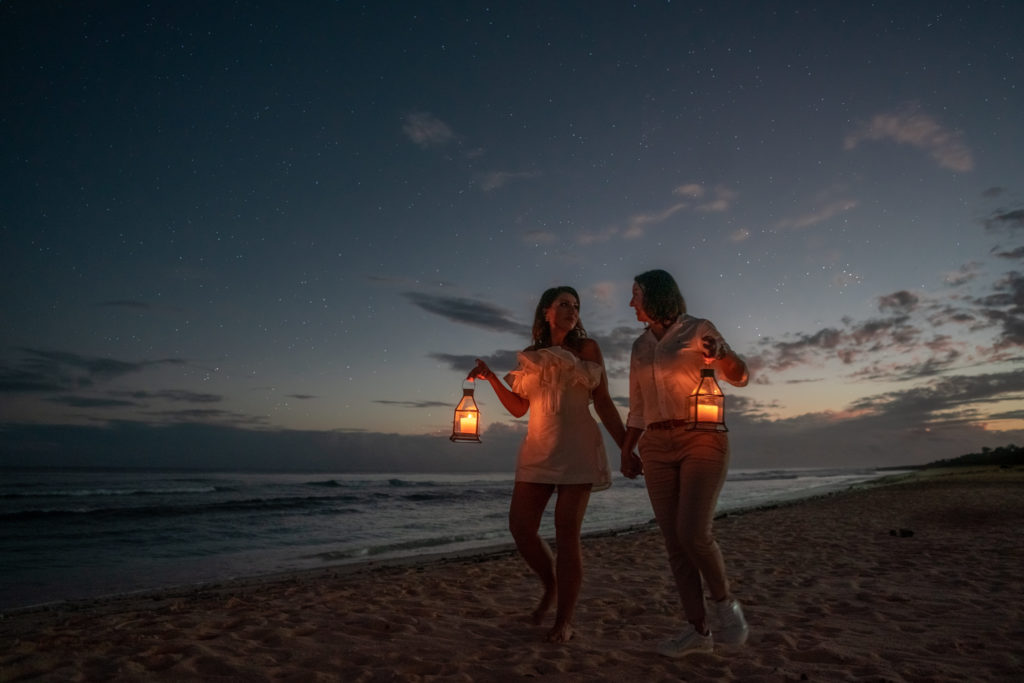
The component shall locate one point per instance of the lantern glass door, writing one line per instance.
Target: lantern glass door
(707, 404)
(466, 424)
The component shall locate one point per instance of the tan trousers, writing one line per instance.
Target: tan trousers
(684, 472)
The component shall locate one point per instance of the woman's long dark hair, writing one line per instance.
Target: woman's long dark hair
(541, 329)
(663, 302)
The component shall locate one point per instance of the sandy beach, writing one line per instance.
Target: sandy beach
(918, 579)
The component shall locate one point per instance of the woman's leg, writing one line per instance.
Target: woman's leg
(662, 480)
(524, 515)
(569, 510)
(702, 473)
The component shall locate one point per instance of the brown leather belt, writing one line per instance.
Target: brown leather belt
(668, 424)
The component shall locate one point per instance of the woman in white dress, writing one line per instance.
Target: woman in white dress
(557, 377)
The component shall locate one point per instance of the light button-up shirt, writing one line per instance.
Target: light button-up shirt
(663, 373)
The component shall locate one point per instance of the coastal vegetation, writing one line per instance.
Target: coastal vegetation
(1005, 456)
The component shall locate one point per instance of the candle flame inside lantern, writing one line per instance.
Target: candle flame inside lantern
(707, 413)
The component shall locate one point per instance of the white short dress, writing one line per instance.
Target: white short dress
(563, 442)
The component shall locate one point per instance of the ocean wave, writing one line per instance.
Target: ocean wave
(788, 474)
(411, 546)
(102, 492)
(328, 483)
(394, 482)
(327, 504)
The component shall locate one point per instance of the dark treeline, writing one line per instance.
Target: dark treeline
(1003, 455)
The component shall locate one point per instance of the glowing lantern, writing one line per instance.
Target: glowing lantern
(466, 425)
(707, 404)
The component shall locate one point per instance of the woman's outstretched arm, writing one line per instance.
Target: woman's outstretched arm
(513, 402)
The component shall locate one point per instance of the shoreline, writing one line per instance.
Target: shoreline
(472, 553)
(830, 591)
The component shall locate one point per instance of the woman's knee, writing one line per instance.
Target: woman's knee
(698, 545)
(522, 528)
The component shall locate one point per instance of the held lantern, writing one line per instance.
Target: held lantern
(466, 425)
(706, 410)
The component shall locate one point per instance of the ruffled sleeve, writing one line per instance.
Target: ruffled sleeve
(569, 369)
(548, 373)
(516, 379)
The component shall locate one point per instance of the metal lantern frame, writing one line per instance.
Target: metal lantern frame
(466, 422)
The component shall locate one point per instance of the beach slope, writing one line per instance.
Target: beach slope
(917, 579)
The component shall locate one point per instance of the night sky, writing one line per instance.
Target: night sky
(276, 235)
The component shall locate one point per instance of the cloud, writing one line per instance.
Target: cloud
(1006, 220)
(638, 224)
(907, 341)
(538, 237)
(819, 215)
(898, 302)
(416, 404)
(956, 395)
(426, 130)
(851, 345)
(864, 438)
(691, 190)
(878, 333)
(86, 402)
(469, 312)
(963, 275)
(616, 347)
(500, 361)
(598, 236)
(722, 200)
(787, 354)
(496, 179)
(1005, 308)
(911, 127)
(1012, 254)
(45, 370)
(944, 417)
(175, 395)
(951, 315)
(740, 235)
(900, 370)
(30, 380)
(208, 416)
(604, 292)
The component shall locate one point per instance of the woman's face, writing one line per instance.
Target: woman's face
(637, 302)
(563, 313)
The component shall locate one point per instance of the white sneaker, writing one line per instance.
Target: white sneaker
(732, 626)
(689, 641)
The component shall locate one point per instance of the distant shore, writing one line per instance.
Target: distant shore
(910, 577)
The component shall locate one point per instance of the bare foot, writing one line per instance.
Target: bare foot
(561, 633)
(544, 605)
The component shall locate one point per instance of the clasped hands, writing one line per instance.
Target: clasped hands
(631, 465)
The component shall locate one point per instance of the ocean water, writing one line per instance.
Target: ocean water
(68, 535)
